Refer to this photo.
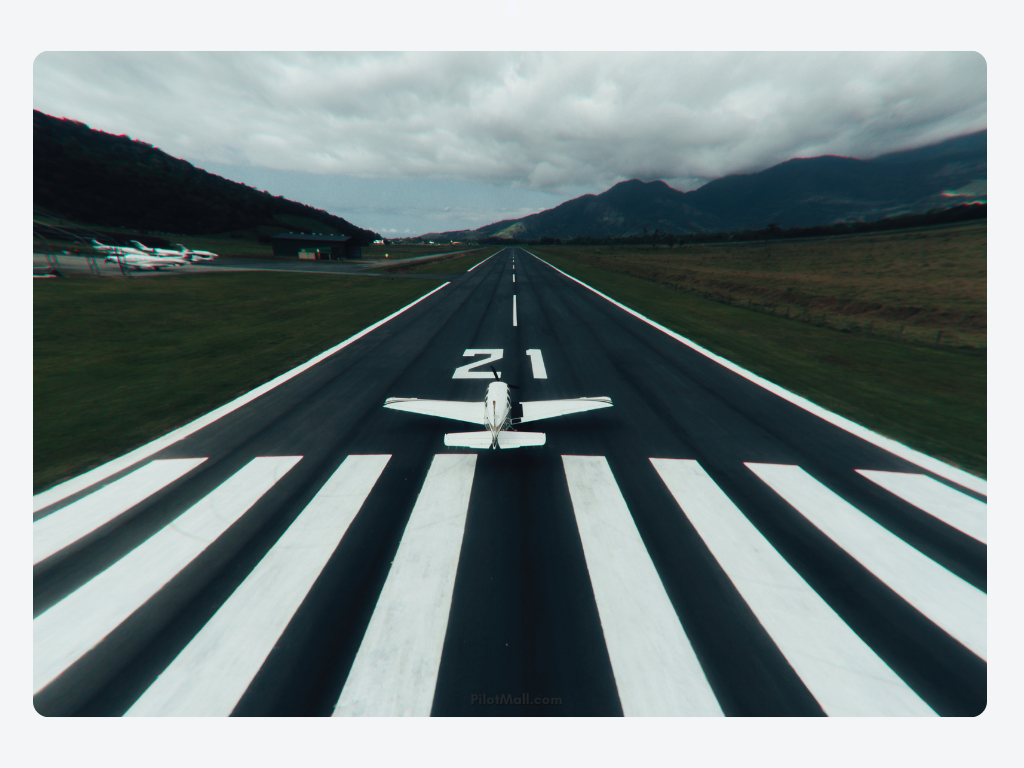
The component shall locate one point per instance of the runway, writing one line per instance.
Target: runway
(704, 547)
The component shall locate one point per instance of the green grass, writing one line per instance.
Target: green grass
(120, 362)
(933, 400)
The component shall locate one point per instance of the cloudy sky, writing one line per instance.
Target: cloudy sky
(408, 143)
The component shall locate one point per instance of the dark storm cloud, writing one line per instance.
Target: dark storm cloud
(552, 122)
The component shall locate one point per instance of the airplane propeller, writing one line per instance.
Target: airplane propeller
(511, 386)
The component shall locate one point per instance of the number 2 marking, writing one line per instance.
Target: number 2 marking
(467, 372)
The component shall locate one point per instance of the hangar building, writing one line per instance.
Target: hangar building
(316, 246)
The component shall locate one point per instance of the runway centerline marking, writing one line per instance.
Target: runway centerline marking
(950, 602)
(396, 666)
(79, 622)
(213, 671)
(656, 671)
(842, 673)
(514, 320)
(69, 524)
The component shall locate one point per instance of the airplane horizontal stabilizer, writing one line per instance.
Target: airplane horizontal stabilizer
(482, 440)
(445, 409)
(547, 409)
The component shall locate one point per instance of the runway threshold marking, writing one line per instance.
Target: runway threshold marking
(69, 524)
(842, 673)
(944, 598)
(213, 671)
(947, 504)
(395, 670)
(81, 482)
(656, 671)
(941, 468)
(537, 361)
(79, 622)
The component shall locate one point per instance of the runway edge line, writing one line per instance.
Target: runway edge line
(923, 460)
(72, 486)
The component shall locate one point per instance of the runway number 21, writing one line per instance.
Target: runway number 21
(469, 371)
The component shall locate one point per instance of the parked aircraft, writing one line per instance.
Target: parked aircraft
(135, 260)
(496, 414)
(114, 249)
(163, 252)
(194, 256)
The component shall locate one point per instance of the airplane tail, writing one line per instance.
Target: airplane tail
(482, 440)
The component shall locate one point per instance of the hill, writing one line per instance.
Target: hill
(90, 176)
(802, 192)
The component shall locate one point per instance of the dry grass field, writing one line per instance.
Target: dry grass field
(909, 285)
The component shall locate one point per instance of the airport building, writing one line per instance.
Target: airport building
(316, 246)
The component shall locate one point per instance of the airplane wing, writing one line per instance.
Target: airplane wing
(473, 412)
(547, 409)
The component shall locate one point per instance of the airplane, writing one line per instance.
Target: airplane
(162, 252)
(194, 256)
(132, 258)
(496, 414)
(113, 249)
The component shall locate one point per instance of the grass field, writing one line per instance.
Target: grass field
(120, 362)
(931, 399)
(908, 285)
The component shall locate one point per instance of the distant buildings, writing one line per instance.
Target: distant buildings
(316, 246)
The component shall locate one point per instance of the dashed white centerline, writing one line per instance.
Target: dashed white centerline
(514, 318)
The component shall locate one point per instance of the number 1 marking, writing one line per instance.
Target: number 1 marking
(537, 360)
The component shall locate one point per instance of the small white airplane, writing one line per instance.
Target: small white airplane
(139, 261)
(496, 414)
(163, 252)
(113, 249)
(192, 255)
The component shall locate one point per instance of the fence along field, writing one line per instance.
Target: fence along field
(924, 286)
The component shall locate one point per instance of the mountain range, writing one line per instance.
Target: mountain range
(802, 192)
(98, 178)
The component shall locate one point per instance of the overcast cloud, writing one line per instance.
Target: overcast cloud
(510, 133)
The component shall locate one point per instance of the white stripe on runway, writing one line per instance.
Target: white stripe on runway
(514, 320)
(66, 526)
(845, 676)
(940, 468)
(949, 601)
(395, 669)
(513, 277)
(79, 622)
(537, 361)
(76, 484)
(656, 671)
(213, 671)
(950, 506)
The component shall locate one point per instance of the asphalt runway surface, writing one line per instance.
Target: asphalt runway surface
(703, 547)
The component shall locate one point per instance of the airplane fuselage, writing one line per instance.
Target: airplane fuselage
(498, 406)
